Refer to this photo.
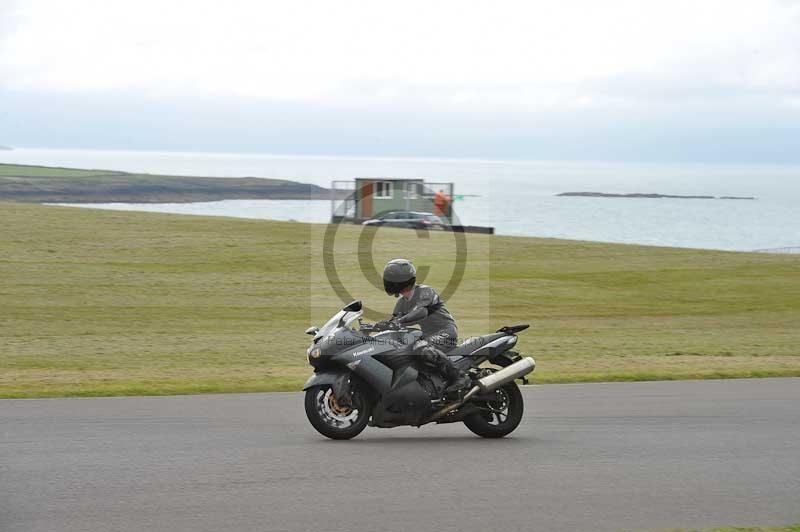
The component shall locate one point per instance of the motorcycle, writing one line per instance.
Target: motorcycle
(367, 375)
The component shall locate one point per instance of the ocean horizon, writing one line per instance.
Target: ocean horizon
(516, 197)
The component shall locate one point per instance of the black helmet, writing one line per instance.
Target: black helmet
(397, 275)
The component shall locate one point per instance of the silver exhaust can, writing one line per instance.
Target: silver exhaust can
(516, 370)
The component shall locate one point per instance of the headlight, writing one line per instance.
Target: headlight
(314, 352)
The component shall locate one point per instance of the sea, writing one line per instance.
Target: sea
(514, 197)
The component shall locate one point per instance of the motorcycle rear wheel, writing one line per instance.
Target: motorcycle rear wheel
(333, 420)
(505, 413)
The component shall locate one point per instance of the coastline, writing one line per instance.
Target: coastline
(51, 184)
(533, 209)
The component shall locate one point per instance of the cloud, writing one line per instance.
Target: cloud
(449, 53)
(122, 121)
(514, 78)
(9, 20)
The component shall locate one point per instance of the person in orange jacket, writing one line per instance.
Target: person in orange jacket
(440, 201)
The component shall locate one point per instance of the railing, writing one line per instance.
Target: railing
(343, 203)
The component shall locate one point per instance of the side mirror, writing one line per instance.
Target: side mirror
(312, 331)
(355, 306)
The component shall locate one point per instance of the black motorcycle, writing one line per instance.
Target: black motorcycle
(366, 376)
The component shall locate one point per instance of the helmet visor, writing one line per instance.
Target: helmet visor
(393, 288)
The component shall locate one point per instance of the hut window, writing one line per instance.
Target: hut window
(383, 189)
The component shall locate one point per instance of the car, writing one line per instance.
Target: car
(409, 219)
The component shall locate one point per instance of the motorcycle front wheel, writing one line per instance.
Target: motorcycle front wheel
(499, 416)
(333, 420)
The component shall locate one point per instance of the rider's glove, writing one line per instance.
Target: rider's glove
(387, 325)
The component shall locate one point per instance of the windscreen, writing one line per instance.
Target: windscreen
(331, 324)
(344, 317)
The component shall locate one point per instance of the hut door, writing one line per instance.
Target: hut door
(366, 200)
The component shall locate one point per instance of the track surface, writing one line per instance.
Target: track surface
(628, 456)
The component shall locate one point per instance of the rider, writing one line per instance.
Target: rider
(420, 304)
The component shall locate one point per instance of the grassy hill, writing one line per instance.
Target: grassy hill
(103, 302)
(42, 184)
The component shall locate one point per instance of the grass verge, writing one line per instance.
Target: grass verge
(118, 303)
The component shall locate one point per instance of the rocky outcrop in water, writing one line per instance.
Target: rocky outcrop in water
(651, 196)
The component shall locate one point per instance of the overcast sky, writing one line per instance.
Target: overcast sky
(624, 80)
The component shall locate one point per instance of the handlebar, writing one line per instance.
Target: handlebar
(377, 327)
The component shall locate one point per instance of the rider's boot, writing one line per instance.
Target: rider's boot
(457, 380)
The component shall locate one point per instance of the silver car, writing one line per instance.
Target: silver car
(409, 219)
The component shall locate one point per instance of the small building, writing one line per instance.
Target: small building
(369, 197)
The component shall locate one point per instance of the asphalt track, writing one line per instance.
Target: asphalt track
(629, 456)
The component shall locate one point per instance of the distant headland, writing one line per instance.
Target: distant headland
(651, 196)
(6, 148)
(42, 184)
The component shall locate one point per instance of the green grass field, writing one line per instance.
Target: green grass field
(113, 303)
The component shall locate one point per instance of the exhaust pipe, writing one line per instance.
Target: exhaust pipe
(490, 383)
(516, 370)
